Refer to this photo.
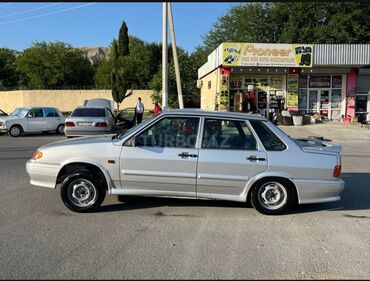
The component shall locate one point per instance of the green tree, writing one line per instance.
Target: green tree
(8, 70)
(120, 74)
(188, 81)
(54, 64)
(102, 74)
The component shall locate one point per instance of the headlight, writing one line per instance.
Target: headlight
(37, 155)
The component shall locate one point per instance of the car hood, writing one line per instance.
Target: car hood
(84, 141)
(7, 118)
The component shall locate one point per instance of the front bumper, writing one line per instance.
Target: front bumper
(3, 129)
(42, 174)
(318, 191)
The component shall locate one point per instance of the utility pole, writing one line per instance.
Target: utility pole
(174, 51)
(164, 57)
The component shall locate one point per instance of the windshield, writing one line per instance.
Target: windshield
(127, 132)
(20, 112)
(88, 112)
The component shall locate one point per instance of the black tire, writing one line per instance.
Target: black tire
(60, 129)
(15, 131)
(84, 185)
(272, 196)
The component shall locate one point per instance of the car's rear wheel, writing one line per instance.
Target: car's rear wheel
(15, 131)
(82, 192)
(60, 129)
(272, 197)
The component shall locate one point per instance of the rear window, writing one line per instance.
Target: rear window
(269, 140)
(88, 112)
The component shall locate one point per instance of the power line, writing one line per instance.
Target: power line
(48, 14)
(30, 10)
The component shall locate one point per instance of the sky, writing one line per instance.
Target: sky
(90, 24)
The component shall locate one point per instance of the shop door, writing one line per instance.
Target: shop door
(324, 103)
(312, 101)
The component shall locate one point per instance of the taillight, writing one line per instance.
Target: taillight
(37, 155)
(337, 170)
(70, 124)
(101, 125)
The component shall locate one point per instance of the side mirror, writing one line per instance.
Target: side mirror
(29, 115)
(130, 142)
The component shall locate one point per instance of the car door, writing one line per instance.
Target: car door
(163, 160)
(228, 158)
(36, 120)
(52, 119)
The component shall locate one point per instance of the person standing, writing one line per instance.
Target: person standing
(157, 109)
(245, 104)
(139, 111)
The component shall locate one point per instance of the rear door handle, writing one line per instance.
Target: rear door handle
(187, 154)
(255, 158)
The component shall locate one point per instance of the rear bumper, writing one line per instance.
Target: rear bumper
(42, 174)
(318, 191)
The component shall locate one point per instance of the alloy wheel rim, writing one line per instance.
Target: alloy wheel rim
(272, 195)
(82, 193)
(61, 129)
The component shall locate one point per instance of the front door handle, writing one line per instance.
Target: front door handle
(255, 158)
(187, 154)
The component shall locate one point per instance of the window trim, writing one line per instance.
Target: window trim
(265, 123)
(166, 117)
(259, 146)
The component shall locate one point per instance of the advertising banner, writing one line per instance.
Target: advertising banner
(262, 54)
(292, 90)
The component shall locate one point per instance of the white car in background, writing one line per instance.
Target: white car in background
(32, 120)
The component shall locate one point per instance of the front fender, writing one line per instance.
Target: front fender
(95, 163)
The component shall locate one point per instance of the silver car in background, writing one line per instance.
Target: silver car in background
(85, 121)
(32, 120)
(193, 153)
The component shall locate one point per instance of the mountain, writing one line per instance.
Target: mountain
(95, 54)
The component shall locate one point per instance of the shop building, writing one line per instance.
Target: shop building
(330, 79)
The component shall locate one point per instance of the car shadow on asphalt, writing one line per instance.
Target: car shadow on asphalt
(354, 197)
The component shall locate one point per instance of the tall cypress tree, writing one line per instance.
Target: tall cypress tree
(119, 78)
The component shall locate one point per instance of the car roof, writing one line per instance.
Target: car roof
(209, 113)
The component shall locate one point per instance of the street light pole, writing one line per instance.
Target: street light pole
(164, 57)
(175, 60)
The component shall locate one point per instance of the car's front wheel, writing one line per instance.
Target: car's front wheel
(82, 192)
(272, 197)
(15, 131)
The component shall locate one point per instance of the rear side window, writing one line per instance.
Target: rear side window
(269, 140)
(88, 112)
(50, 112)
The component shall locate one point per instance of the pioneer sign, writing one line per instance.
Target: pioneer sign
(258, 54)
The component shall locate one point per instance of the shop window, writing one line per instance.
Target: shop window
(336, 96)
(319, 82)
(361, 103)
(336, 82)
(303, 82)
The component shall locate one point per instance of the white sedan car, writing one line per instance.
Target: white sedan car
(31, 120)
(196, 154)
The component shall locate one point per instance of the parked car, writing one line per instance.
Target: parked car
(31, 120)
(85, 121)
(193, 153)
(2, 113)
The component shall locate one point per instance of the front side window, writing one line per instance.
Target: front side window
(36, 112)
(227, 134)
(269, 140)
(170, 132)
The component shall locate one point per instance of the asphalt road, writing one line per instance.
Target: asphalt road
(146, 238)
